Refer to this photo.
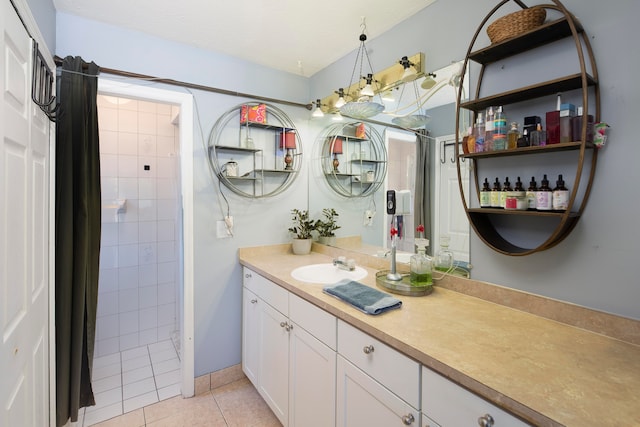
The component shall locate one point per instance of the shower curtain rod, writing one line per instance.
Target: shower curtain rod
(122, 73)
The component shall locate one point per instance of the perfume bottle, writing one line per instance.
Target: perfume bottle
(444, 257)
(421, 265)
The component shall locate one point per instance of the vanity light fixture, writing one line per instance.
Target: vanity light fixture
(340, 102)
(429, 81)
(318, 111)
(410, 73)
(362, 105)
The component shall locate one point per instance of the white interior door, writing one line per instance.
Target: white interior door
(450, 218)
(24, 227)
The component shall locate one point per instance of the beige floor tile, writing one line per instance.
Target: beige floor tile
(226, 376)
(200, 406)
(202, 384)
(131, 419)
(242, 406)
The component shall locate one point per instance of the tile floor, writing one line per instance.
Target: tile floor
(129, 380)
(236, 404)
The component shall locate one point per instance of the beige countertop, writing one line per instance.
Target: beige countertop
(542, 370)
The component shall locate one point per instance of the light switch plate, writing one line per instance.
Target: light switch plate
(221, 230)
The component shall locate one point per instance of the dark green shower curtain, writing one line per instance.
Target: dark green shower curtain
(77, 229)
(422, 200)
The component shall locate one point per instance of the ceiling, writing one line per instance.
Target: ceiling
(298, 36)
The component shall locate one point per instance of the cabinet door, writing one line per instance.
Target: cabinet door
(312, 381)
(250, 341)
(274, 361)
(451, 405)
(361, 401)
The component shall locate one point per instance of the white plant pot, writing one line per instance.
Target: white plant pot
(327, 240)
(301, 246)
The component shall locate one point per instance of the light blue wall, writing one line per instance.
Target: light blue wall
(44, 13)
(595, 265)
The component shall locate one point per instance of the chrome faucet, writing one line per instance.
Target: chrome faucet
(344, 263)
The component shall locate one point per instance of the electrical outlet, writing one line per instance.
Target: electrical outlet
(221, 230)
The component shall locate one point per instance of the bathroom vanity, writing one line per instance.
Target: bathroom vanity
(446, 359)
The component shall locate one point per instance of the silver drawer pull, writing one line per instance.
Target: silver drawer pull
(253, 301)
(485, 421)
(368, 349)
(247, 275)
(408, 419)
(283, 324)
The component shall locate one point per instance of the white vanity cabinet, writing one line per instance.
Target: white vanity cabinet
(376, 385)
(289, 353)
(446, 404)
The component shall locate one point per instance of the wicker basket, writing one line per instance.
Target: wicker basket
(516, 23)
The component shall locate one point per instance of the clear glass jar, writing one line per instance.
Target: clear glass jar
(444, 257)
(421, 265)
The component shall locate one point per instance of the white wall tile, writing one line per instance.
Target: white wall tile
(165, 146)
(128, 143)
(108, 346)
(166, 210)
(148, 275)
(166, 128)
(147, 188)
(166, 293)
(108, 142)
(108, 327)
(148, 318)
(147, 231)
(152, 164)
(148, 253)
(128, 277)
(109, 234)
(147, 107)
(166, 188)
(108, 304)
(165, 109)
(128, 104)
(128, 188)
(128, 300)
(127, 255)
(109, 257)
(147, 210)
(129, 341)
(128, 323)
(166, 251)
(127, 166)
(127, 121)
(166, 167)
(166, 315)
(148, 297)
(128, 233)
(166, 231)
(108, 280)
(131, 215)
(109, 165)
(148, 336)
(147, 123)
(147, 145)
(108, 119)
(165, 331)
(167, 272)
(108, 188)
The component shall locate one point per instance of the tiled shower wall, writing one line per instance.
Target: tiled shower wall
(139, 249)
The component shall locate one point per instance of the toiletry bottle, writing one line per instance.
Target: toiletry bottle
(576, 126)
(518, 185)
(531, 194)
(567, 113)
(553, 123)
(444, 258)
(560, 196)
(523, 141)
(488, 130)
(503, 194)
(485, 195)
(479, 134)
(544, 195)
(535, 136)
(471, 140)
(499, 130)
(512, 136)
(495, 194)
(421, 265)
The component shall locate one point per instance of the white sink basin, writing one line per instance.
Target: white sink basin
(326, 273)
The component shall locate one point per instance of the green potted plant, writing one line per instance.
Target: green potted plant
(301, 230)
(326, 227)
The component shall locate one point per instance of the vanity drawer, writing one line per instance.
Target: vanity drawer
(389, 367)
(314, 320)
(274, 295)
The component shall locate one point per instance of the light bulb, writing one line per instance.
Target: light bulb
(340, 102)
(367, 91)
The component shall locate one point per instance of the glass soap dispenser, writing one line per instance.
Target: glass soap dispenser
(444, 257)
(421, 265)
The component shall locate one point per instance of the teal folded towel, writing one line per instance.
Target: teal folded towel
(362, 297)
